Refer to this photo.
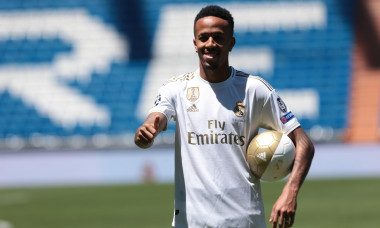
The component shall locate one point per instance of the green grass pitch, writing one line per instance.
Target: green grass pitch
(321, 203)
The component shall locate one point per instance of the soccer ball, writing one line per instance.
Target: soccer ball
(270, 155)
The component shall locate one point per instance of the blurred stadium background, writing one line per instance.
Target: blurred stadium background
(78, 76)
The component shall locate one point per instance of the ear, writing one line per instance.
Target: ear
(233, 41)
(195, 45)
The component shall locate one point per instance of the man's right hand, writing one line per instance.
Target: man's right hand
(146, 133)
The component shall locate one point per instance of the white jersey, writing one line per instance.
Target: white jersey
(214, 124)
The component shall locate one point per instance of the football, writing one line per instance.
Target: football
(270, 155)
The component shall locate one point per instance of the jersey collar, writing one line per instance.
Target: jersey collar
(218, 84)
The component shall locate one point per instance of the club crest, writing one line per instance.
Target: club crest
(239, 109)
(192, 94)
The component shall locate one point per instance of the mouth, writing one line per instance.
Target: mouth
(210, 55)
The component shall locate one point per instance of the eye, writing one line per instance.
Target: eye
(203, 38)
(218, 39)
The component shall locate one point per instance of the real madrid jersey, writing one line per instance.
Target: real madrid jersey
(214, 124)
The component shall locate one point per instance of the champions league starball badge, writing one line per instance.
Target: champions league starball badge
(158, 100)
(239, 109)
(282, 105)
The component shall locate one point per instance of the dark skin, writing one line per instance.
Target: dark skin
(213, 40)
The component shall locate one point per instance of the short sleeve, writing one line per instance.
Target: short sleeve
(164, 104)
(275, 115)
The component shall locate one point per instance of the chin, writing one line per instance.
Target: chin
(210, 66)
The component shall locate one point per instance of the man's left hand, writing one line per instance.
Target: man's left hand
(283, 211)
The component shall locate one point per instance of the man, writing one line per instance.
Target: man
(218, 110)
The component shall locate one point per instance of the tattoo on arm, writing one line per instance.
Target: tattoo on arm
(302, 162)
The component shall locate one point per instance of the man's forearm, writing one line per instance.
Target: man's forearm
(302, 161)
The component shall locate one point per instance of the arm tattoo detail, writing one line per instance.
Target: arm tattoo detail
(302, 162)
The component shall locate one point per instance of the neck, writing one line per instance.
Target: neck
(215, 75)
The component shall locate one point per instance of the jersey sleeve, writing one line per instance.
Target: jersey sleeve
(165, 104)
(275, 115)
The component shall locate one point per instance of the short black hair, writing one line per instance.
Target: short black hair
(216, 11)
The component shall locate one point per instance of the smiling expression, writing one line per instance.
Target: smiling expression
(213, 41)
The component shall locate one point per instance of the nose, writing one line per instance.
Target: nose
(210, 42)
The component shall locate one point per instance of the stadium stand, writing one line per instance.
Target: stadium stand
(364, 123)
(76, 72)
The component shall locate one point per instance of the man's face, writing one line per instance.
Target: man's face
(213, 41)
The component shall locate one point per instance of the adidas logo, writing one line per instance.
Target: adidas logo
(262, 156)
(193, 108)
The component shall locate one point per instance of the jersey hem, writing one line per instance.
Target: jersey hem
(292, 128)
